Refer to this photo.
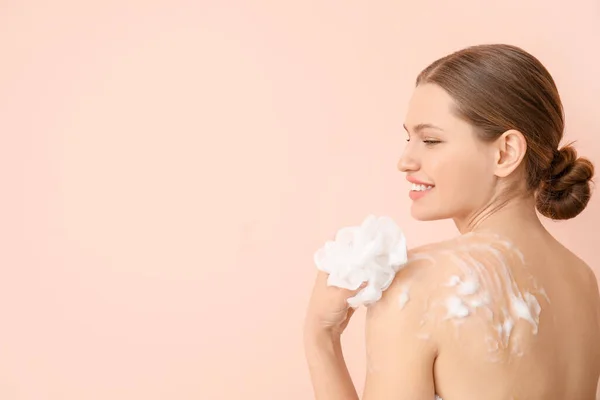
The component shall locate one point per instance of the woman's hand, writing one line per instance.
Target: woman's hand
(327, 317)
(328, 309)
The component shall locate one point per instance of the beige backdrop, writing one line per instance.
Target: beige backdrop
(168, 169)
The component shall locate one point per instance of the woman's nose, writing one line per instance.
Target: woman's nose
(407, 162)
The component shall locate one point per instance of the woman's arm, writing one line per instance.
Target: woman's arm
(400, 361)
(400, 364)
(327, 316)
(329, 374)
(401, 345)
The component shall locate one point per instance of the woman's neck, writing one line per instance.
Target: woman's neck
(512, 216)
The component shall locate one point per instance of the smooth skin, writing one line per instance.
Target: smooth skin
(410, 360)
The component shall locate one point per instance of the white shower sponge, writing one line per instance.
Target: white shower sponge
(372, 252)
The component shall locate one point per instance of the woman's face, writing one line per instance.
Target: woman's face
(444, 153)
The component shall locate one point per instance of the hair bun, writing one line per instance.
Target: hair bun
(566, 191)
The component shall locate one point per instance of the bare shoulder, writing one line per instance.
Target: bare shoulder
(590, 280)
(414, 297)
(589, 276)
(401, 344)
(586, 279)
(428, 269)
(474, 283)
(461, 265)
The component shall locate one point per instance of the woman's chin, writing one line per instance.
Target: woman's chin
(422, 214)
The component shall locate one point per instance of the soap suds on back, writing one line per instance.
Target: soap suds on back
(403, 298)
(456, 307)
(453, 281)
(468, 287)
(486, 290)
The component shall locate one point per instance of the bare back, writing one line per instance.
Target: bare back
(513, 318)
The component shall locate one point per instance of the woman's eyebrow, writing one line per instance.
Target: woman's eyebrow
(419, 127)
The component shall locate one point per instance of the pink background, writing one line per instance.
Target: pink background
(169, 168)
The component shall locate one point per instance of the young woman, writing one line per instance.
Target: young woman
(503, 311)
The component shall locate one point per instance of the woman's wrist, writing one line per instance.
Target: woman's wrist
(315, 334)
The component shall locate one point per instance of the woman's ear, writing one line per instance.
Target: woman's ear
(510, 149)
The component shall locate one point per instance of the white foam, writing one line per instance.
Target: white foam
(456, 308)
(372, 252)
(469, 287)
(486, 274)
(403, 298)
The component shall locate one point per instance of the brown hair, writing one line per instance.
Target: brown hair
(499, 87)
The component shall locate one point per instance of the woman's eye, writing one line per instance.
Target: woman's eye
(428, 141)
